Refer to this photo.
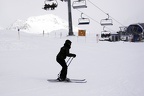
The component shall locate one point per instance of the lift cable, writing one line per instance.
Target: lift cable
(104, 12)
(97, 7)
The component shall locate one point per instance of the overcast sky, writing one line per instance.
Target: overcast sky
(124, 11)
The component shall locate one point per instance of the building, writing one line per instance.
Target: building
(137, 31)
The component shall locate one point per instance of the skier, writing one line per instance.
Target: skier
(60, 58)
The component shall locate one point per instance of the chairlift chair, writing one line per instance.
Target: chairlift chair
(64, 0)
(105, 34)
(79, 4)
(50, 4)
(83, 21)
(106, 22)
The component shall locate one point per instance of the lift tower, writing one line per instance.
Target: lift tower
(70, 19)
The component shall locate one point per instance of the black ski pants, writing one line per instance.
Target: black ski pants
(63, 73)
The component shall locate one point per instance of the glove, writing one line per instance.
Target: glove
(74, 55)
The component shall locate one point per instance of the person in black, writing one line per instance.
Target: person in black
(60, 58)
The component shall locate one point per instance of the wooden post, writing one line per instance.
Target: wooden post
(43, 33)
(97, 38)
(19, 34)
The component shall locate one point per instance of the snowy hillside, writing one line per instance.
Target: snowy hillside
(20, 24)
(110, 68)
(38, 24)
(1, 28)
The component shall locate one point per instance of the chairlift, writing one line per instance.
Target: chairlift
(106, 22)
(83, 21)
(79, 4)
(105, 34)
(64, 0)
(50, 4)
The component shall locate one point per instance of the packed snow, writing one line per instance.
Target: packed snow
(1, 28)
(110, 68)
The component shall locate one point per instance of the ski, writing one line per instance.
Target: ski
(73, 81)
(70, 81)
(78, 79)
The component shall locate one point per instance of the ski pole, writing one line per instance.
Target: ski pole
(67, 65)
(70, 61)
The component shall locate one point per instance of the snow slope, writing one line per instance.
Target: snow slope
(111, 68)
(1, 28)
(38, 24)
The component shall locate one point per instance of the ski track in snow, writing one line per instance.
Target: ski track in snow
(110, 68)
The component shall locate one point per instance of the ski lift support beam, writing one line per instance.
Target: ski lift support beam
(70, 19)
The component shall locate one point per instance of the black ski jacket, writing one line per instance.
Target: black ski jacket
(64, 51)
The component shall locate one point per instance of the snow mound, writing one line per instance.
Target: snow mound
(39, 24)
